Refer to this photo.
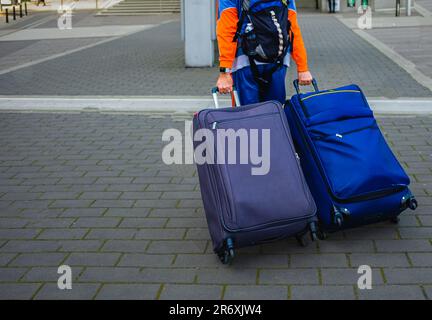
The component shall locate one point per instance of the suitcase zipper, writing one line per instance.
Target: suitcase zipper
(214, 123)
(340, 135)
(371, 195)
(329, 92)
(267, 225)
(362, 197)
(306, 112)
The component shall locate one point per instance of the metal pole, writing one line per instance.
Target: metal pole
(21, 13)
(25, 8)
(14, 12)
(7, 15)
(408, 10)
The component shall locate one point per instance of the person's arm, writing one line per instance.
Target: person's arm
(226, 28)
(299, 53)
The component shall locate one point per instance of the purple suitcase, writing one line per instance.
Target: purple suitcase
(243, 209)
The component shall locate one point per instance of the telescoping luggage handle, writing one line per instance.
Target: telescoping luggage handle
(234, 94)
(297, 86)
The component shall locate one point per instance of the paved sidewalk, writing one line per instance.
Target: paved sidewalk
(413, 43)
(151, 63)
(403, 39)
(90, 190)
(427, 4)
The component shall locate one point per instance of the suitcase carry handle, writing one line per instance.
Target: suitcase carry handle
(234, 94)
(297, 86)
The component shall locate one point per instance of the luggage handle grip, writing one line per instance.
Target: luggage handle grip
(234, 94)
(297, 86)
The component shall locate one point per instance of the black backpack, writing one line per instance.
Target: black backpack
(267, 35)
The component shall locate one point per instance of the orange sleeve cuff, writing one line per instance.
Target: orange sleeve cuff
(225, 29)
(226, 64)
(299, 53)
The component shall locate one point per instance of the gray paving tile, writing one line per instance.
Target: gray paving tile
(99, 222)
(128, 274)
(392, 292)
(111, 233)
(289, 276)
(179, 246)
(6, 234)
(128, 292)
(408, 275)
(38, 259)
(322, 293)
(404, 245)
(321, 260)
(142, 222)
(347, 276)
(79, 291)
(421, 259)
(162, 234)
(80, 245)
(11, 274)
(48, 274)
(146, 260)
(60, 234)
(29, 246)
(92, 259)
(256, 292)
(227, 276)
(5, 258)
(379, 259)
(125, 246)
(346, 246)
(188, 292)
(18, 291)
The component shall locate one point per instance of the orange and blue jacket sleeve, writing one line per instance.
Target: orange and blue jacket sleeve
(225, 30)
(299, 51)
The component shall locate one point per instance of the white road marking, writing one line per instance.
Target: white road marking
(404, 63)
(404, 106)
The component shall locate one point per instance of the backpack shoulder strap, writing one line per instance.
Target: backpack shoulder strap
(245, 5)
(244, 8)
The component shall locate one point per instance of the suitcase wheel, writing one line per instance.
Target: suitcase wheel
(321, 235)
(338, 221)
(227, 254)
(313, 228)
(338, 215)
(412, 204)
(301, 240)
(314, 236)
(409, 201)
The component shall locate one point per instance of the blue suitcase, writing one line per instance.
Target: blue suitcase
(243, 209)
(352, 173)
